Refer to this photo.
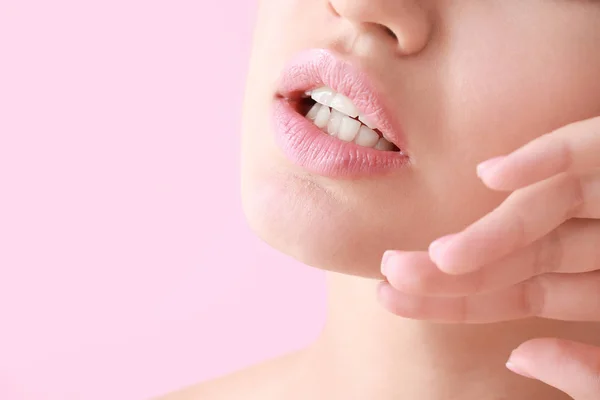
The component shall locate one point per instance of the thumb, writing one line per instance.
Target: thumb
(571, 367)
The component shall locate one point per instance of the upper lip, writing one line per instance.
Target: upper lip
(317, 68)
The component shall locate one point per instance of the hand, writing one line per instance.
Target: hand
(536, 255)
(571, 367)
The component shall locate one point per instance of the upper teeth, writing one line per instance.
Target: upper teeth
(339, 120)
(328, 97)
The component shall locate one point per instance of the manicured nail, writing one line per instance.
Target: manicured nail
(439, 246)
(384, 261)
(487, 167)
(517, 370)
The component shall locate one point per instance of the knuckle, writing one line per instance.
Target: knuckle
(566, 158)
(533, 300)
(577, 186)
(520, 227)
(548, 253)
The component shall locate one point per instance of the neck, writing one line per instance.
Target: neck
(371, 353)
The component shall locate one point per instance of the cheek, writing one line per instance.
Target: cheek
(522, 76)
(497, 90)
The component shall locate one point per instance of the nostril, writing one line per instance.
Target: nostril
(389, 32)
(384, 28)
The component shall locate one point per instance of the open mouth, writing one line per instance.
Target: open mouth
(336, 115)
(331, 120)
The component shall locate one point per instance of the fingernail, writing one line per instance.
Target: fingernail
(512, 366)
(487, 167)
(384, 261)
(439, 246)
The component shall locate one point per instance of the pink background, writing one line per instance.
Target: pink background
(126, 267)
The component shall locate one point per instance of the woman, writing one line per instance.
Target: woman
(365, 128)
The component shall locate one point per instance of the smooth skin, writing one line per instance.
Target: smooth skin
(469, 81)
(536, 255)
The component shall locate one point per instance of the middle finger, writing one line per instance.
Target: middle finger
(572, 248)
(527, 215)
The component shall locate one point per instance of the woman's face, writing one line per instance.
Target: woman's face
(462, 81)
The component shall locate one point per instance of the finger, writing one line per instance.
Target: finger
(564, 297)
(527, 215)
(506, 305)
(571, 367)
(554, 296)
(572, 248)
(573, 148)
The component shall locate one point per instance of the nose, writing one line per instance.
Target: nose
(407, 21)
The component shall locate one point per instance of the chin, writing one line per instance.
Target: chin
(301, 219)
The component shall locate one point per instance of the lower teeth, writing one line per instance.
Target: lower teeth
(348, 129)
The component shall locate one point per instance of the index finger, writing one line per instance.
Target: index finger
(573, 148)
(525, 216)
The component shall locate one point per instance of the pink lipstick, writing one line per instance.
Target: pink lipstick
(309, 145)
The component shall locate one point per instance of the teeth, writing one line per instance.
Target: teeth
(384, 145)
(333, 127)
(314, 111)
(367, 137)
(366, 121)
(335, 114)
(322, 117)
(386, 138)
(337, 101)
(323, 95)
(348, 129)
(344, 105)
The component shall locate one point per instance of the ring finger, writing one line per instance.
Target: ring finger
(574, 297)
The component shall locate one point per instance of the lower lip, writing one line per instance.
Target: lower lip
(309, 147)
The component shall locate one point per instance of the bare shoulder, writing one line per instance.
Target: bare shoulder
(271, 380)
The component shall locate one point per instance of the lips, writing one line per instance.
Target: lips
(306, 145)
